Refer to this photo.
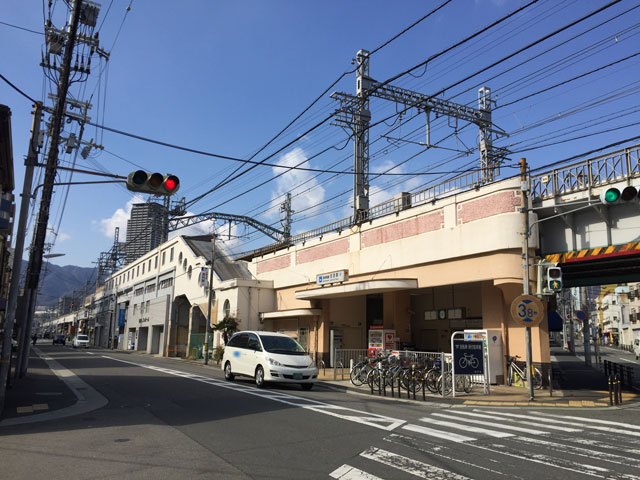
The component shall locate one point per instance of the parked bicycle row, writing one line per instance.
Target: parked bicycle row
(411, 373)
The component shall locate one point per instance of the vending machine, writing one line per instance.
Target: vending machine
(381, 340)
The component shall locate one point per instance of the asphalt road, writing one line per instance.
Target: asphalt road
(170, 419)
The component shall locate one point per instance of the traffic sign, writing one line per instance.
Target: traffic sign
(527, 310)
(581, 315)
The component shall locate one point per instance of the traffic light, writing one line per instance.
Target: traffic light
(554, 279)
(613, 195)
(153, 183)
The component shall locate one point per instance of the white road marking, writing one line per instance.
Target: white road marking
(583, 452)
(347, 472)
(350, 414)
(468, 428)
(434, 450)
(552, 462)
(409, 465)
(454, 437)
(492, 424)
(521, 419)
(627, 360)
(591, 420)
(584, 423)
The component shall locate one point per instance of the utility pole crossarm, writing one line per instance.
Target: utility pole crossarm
(182, 222)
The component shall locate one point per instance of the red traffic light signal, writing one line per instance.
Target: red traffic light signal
(152, 183)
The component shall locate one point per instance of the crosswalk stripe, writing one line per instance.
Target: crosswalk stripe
(591, 420)
(583, 452)
(584, 424)
(469, 428)
(409, 465)
(454, 437)
(347, 472)
(501, 416)
(492, 424)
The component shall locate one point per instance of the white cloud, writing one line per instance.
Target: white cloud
(118, 219)
(62, 237)
(304, 188)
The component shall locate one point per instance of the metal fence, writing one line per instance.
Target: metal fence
(345, 359)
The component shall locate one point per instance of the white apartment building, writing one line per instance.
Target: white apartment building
(161, 299)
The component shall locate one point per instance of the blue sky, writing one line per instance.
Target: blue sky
(225, 77)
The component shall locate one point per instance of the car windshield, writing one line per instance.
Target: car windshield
(285, 345)
(59, 336)
(83, 337)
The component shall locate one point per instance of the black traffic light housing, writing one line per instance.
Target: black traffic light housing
(553, 277)
(153, 183)
(613, 195)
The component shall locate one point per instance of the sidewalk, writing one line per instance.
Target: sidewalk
(574, 385)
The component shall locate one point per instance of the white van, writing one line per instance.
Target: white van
(636, 348)
(268, 357)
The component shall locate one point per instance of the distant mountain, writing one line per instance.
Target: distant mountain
(56, 282)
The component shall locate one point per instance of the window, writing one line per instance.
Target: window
(138, 270)
(166, 283)
(184, 265)
(135, 309)
(148, 303)
(155, 263)
(139, 291)
(189, 272)
(142, 308)
(149, 267)
(253, 343)
(239, 340)
(163, 257)
(226, 308)
(150, 288)
(171, 255)
(143, 268)
(180, 258)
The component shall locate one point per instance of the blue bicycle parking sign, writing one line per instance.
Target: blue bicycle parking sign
(468, 357)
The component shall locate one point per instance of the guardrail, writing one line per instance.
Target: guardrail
(586, 174)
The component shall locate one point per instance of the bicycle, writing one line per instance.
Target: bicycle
(515, 374)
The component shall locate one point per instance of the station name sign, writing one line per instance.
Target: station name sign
(332, 277)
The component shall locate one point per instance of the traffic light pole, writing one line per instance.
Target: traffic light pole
(525, 268)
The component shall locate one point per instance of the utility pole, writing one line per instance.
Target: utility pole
(524, 208)
(14, 287)
(37, 247)
(207, 331)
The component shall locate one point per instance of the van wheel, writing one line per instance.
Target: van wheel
(227, 372)
(259, 377)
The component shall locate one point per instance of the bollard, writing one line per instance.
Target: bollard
(413, 380)
(392, 392)
(618, 390)
(399, 387)
(424, 387)
(371, 382)
(384, 383)
(610, 382)
(409, 389)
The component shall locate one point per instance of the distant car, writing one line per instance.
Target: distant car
(81, 341)
(59, 338)
(268, 357)
(636, 348)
